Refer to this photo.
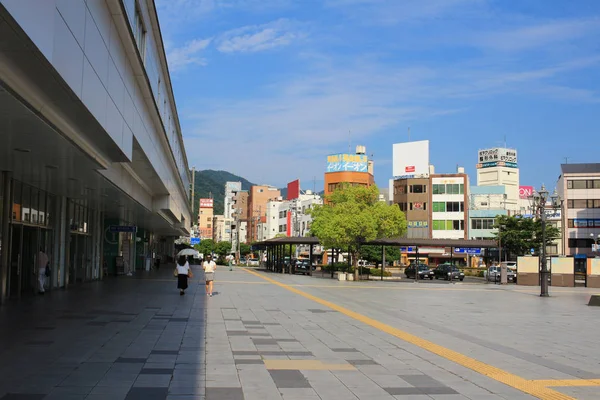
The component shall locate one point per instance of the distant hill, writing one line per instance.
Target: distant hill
(212, 183)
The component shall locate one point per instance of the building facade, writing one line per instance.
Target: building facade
(94, 170)
(486, 203)
(289, 217)
(449, 205)
(353, 169)
(412, 196)
(222, 228)
(231, 188)
(579, 188)
(205, 218)
(259, 196)
(498, 167)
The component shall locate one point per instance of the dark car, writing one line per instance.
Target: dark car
(448, 272)
(424, 271)
(302, 267)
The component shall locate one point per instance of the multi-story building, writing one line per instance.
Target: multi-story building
(412, 196)
(354, 169)
(222, 228)
(485, 204)
(498, 167)
(579, 189)
(205, 218)
(258, 198)
(231, 188)
(449, 205)
(239, 216)
(94, 169)
(289, 217)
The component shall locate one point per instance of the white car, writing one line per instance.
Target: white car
(253, 262)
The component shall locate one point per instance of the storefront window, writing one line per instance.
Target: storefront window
(42, 209)
(26, 204)
(34, 206)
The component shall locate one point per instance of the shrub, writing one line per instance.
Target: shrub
(377, 272)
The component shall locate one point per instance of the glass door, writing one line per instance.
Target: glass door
(15, 261)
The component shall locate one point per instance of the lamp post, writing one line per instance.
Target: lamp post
(539, 200)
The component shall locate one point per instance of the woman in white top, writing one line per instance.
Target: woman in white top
(209, 267)
(183, 271)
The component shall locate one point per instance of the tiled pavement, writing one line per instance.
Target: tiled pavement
(137, 339)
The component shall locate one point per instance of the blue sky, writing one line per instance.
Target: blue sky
(267, 88)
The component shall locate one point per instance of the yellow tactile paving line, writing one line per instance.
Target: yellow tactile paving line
(533, 388)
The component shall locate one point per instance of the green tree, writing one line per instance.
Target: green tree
(283, 235)
(223, 248)
(518, 235)
(245, 249)
(373, 254)
(206, 246)
(353, 215)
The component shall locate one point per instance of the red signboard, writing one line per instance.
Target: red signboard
(293, 190)
(289, 224)
(206, 203)
(525, 192)
(410, 168)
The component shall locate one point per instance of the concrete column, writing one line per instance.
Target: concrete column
(61, 242)
(5, 231)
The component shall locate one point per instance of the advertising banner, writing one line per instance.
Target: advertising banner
(347, 163)
(289, 224)
(498, 154)
(293, 190)
(525, 192)
(206, 203)
(410, 159)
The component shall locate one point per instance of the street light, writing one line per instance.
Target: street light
(539, 201)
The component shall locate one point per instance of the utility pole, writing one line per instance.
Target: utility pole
(193, 189)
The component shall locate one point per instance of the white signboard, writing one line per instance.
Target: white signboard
(411, 159)
(497, 154)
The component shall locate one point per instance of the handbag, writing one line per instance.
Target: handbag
(190, 273)
(175, 273)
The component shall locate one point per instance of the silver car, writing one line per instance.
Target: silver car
(493, 274)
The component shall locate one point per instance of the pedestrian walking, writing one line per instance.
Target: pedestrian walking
(230, 261)
(209, 267)
(42, 270)
(183, 272)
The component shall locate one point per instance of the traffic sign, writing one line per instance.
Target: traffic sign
(194, 241)
(532, 251)
(470, 251)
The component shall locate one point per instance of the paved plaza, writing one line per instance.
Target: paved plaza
(269, 336)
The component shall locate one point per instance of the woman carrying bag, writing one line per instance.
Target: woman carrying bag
(182, 272)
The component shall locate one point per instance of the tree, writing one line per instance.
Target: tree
(245, 249)
(206, 246)
(283, 235)
(518, 235)
(353, 215)
(223, 248)
(373, 254)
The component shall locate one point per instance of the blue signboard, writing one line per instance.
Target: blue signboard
(470, 251)
(347, 163)
(406, 249)
(122, 228)
(194, 241)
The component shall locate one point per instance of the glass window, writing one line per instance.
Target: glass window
(49, 209)
(26, 204)
(139, 31)
(569, 184)
(597, 184)
(439, 189)
(462, 188)
(579, 185)
(34, 206)
(439, 225)
(449, 225)
(439, 206)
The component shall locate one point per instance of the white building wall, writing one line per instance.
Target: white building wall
(502, 176)
(449, 216)
(90, 46)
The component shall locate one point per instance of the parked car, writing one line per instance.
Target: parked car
(303, 267)
(493, 274)
(242, 260)
(424, 271)
(447, 272)
(253, 262)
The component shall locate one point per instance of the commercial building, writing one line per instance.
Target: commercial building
(231, 188)
(579, 189)
(345, 168)
(258, 198)
(485, 204)
(205, 218)
(498, 167)
(412, 196)
(449, 205)
(289, 217)
(239, 216)
(93, 167)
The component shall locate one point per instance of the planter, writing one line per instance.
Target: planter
(350, 277)
(341, 276)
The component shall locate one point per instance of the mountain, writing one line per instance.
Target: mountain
(210, 183)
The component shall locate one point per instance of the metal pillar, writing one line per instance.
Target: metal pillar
(416, 264)
(290, 267)
(5, 226)
(544, 283)
(310, 257)
(382, 261)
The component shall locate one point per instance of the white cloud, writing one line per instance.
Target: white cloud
(256, 38)
(549, 34)
(187, 54)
